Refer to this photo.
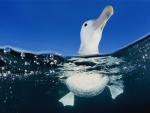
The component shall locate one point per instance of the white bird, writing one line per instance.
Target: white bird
(91, 32)
(86, 84)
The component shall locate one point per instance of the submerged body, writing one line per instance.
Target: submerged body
(87, 85)
(28, 79)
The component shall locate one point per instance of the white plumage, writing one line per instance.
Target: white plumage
(88, 84)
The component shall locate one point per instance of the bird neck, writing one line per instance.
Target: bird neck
(88, 50)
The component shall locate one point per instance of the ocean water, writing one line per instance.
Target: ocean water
(34, 83)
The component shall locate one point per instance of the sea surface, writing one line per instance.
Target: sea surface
(34, 83)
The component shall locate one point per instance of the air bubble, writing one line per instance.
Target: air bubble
(4, 74)
(22, 55)
(26, 63)
(7, 50)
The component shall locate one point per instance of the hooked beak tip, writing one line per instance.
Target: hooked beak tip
(109, 10)
(104, 17)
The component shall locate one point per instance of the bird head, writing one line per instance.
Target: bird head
(91, 32)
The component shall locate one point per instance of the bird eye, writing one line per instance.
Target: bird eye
(85, 24)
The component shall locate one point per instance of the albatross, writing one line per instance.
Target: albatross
(91, 32)
(84, 84)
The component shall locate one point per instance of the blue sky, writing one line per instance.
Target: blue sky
(54, 25)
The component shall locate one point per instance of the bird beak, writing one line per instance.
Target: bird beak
(103, 18)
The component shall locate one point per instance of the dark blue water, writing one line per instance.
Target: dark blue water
(33, 83)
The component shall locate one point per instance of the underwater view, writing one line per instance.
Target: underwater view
(34, 83)
(99, 70)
